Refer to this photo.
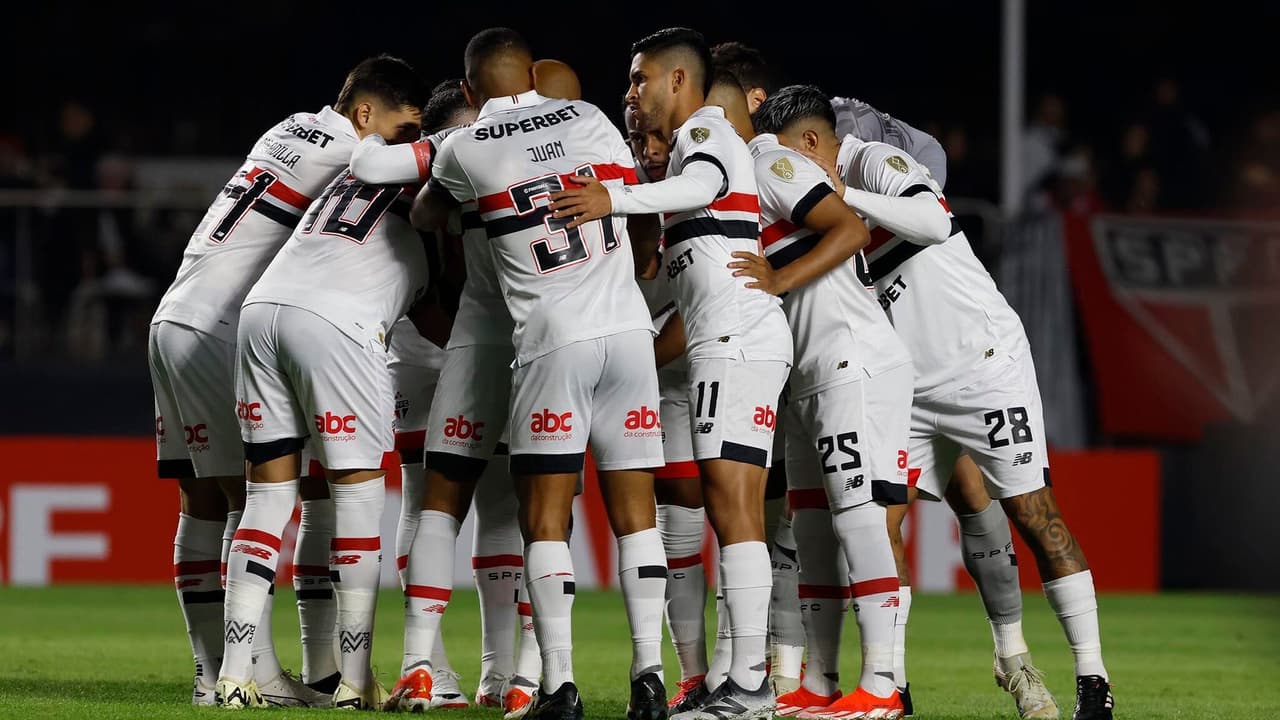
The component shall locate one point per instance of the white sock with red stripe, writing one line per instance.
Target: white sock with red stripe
(642, 575)
(196, 576)
(412, 485)
(823, 591)
(528, 654)
(549, 568)
(228, 534)
(786, 626)
(864, 537)
(682, 529)
(900, 636)
(251, 571)
(356, 554)
(1074, 601)
(747, 582)
(317, 607)
(497, 563)
(429, 585)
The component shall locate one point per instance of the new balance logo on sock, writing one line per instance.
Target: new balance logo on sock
(251, 550)
(237, 632)
(353, 641)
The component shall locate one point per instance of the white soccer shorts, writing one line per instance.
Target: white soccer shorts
(677, 443)
(603, 390)
(847, 444)
(469, 411)
(192, 379)
(735, 408)
(997, 419)
(298, 376)
(414, 387)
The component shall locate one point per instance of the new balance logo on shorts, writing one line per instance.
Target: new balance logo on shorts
(642, 423)
(548, 425)
(336, 427)
(704, 428)
(1022, 459)
(765, 418)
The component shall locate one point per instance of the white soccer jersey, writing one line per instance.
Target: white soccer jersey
(857, 118)
(406, 346)
(841, 334)
(561, 286)
(941, 300)
(483, 317)
(253, 216)
(355, 260)
(699, 244)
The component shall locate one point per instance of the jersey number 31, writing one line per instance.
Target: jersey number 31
(572, 249)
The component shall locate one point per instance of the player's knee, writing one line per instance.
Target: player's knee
(967, 492)
(313, 488)
(203, 499)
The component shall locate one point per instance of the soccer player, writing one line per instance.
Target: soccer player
(312, 364)
(681, 515)
(848, 412)
(975, 383)
(192, 356)
(584, 365)
(738, 343)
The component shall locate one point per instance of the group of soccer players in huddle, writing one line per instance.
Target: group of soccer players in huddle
(756, 292)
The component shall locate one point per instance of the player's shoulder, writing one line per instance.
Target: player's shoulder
(872, 154)
(705, 130)
(775, 162)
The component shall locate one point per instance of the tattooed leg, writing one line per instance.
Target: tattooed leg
(1039, 521)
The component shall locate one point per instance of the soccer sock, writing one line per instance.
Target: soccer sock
(900, 637)
(722, 654)
(682, 529)
(497, 563)
(251, 571)
(549, 568)
(642, 575)
(865, 538)
(196, 569)
(528, 655)
(1073, 599)
(439, 658)
(745, 568)
(317, 609)
(412, 486)
(228, 534)
(356, 556)
(823, 591)
(429, 585)
(265, 664)
(786, 625)
(987, 546)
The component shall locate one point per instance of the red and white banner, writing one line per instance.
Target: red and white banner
(88, 509)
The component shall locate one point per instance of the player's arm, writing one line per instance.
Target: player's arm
(669, 344)
(899, 198)
(926, 149)
(645, 232)
(448, 187)
(843, 235)
(374, 161)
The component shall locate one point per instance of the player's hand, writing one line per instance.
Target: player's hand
(583, 204)
(756, 267)
(829, 168)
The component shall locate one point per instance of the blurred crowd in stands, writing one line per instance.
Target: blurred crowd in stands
(94, 273)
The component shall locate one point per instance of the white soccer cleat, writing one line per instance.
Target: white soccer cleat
(235, 695)
(1018, 677)
(202, 694)
(446, 693)
(348, 698)
(491, 689)
(285, 690)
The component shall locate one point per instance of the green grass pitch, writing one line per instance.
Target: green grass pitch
(121, 652)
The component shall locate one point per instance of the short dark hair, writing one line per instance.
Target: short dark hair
(446, 101)
(747, 64)
(389, 79)
(792, 104)
(490, 42)
(681, 38)
(724, 77)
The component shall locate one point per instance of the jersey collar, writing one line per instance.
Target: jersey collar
(510, 102)
(329, 116)
(711, 111)
(848, 146)
(760, 141)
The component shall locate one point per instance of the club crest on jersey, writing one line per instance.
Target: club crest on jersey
(782, 168)
(700, 134)
(897, 163)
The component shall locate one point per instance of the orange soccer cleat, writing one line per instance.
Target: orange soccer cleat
(412, 692)
(802, 700)
(859, 705)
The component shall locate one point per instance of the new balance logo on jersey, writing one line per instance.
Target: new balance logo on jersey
(463, 429)
(545, 424)
(765, 417)
(250, 413)
(237, 632)
(704, 428)
(1022, 459)
(643, 423)
(353, 641)
(330, 424)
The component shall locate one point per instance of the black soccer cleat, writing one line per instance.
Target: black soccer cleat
(563, 704)
(1093, 698)
(327, 685)
(693, 693)
(905, 693)
(648, 698)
